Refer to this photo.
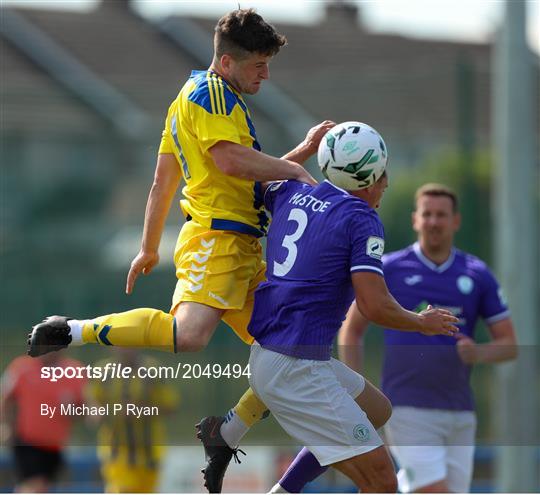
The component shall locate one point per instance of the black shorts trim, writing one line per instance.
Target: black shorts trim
(34, 461)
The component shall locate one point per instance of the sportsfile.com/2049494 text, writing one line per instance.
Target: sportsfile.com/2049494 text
(110, 371)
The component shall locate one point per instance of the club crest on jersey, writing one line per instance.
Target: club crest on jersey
(361, 432)
(465, 284)
(375, 247)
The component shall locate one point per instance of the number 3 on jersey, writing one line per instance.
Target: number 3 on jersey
(301, 218)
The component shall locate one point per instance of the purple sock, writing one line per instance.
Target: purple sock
(303, 469)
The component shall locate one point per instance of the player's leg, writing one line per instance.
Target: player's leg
(436, 487)
(372, 472)
(35, 468)
(195, 325)
(305, 467)
(417, 439)
(314, 408)
(142, 327)
(220, 435)
(375, 404)
(121, 477)
(249, 409)
(460, 458)
(214, 269)
(36, 484)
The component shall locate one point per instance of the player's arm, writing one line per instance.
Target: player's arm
(247, 163)
(377, 304)
(166, 181)
(351, 339)
(308, 147)
(502, 347)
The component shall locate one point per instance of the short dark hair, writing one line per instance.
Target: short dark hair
(243, 32)
(434, 189)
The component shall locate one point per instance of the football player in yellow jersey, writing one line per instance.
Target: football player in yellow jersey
(131, 448)
(209, 140)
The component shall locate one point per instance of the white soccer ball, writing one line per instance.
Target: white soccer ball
(352, 155)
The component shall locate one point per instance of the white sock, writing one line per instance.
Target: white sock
(277, 488)
(76, 327)
(233, 429)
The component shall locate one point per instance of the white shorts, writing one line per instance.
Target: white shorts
(313, 402)
(432, 445)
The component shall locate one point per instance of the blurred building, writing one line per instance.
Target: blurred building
(84, 96)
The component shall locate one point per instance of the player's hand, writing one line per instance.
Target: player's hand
(315, 134)
(467, 349)
(438, 321)
(143, 262)
(304, 176)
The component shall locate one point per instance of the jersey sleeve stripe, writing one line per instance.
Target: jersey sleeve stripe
(363, 268)
(497, 317)
(174, 132)
(214, 90)
(221, 95)
(216, 96)
(211, 93)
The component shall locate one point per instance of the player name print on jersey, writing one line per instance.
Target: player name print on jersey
(309, 202)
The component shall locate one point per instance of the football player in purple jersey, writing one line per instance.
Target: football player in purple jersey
(432, 428)
(324, 249)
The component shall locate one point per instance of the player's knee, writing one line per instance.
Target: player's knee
(380, 414)
(191, 341)
(386, 412)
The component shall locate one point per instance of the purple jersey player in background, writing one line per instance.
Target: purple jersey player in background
(324, 248)
(433, 424)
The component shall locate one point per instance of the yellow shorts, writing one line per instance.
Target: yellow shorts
(119, 477)
(221, 269)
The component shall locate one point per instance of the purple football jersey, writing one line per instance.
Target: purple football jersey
(318, 236)
(425, 371)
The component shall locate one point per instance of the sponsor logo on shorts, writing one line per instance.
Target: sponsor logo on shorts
(361, 432)
(198, 267)
(218, 298)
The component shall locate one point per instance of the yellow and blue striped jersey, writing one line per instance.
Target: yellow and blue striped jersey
(208, 110)
(135, 441)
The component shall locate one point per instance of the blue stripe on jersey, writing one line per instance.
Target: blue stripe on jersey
(251, 127)
(230, 98)
(201, 93)
(221, 224)
(258, 203)
(212, 85)
(201, 96)
(220, 94)
(174, 131)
